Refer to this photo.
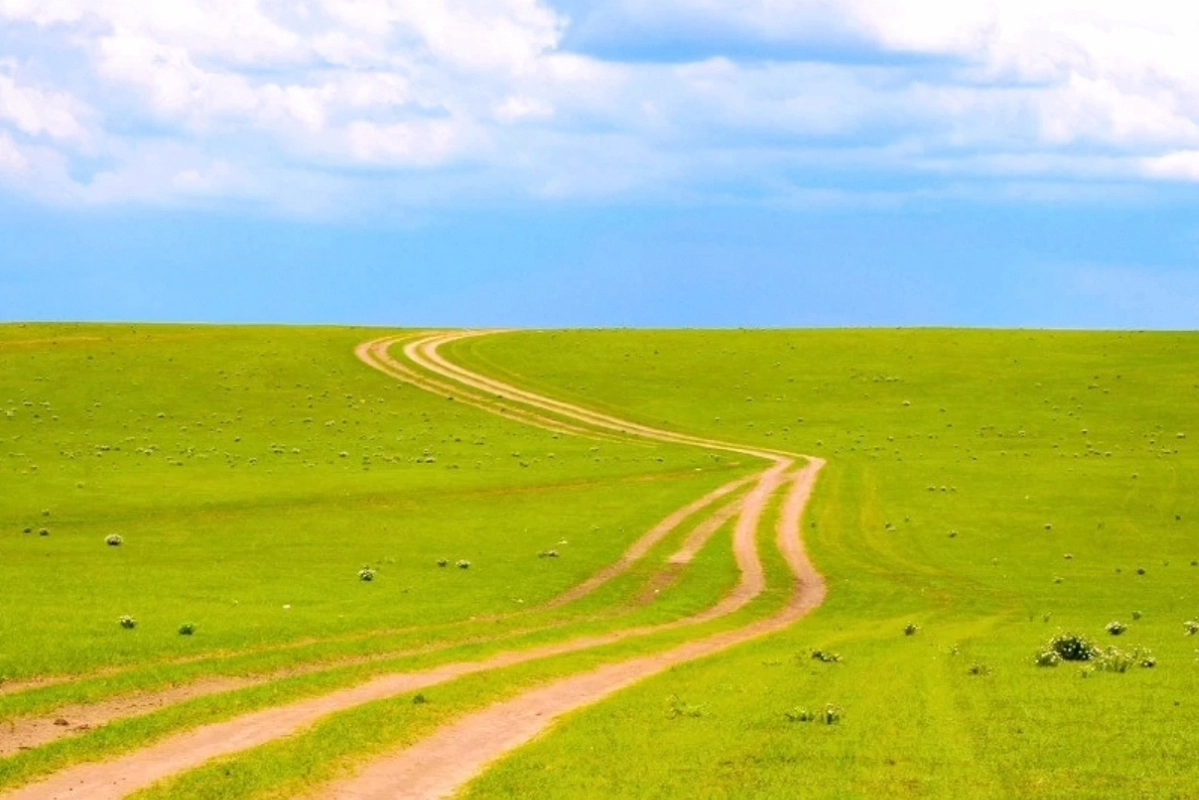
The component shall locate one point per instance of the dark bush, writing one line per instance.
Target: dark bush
(1073, 647)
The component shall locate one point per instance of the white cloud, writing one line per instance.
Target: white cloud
(183, 99)
(39, 113)
(11, 158)
(1182, 165)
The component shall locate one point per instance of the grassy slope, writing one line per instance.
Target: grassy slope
(253, 469)
(1030, 446)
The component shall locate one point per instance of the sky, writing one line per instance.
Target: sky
(581, 163)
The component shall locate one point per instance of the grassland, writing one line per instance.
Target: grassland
(251, 474)
(991, 487)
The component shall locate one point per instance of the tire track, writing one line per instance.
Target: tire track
(119, 777)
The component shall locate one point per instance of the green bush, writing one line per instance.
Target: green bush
(1048, 658)
(799, 714)
(1115, 660)
(366, 574)
(114, 540)
(443, 562)
(1073, 647)
(1116, 628)
(826, 657)
(127, 622)
(911, 629)
(187, 629)
(463, 564)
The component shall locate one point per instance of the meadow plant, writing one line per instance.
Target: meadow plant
(1116, 628)
(114, 540)
(187, 629)
(366, 574)
(127, 622)
(911, 629)
(1072, 647)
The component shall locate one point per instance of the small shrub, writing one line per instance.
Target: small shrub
(463, 564)
(911, 629)
(799, 714)
(43, 532)
(443, 562)
(187, 629)
(127, 622)
(1116, 628)
(366, 574)
(1048, 658)
(1191, 626)
(826, 657)
(114, 540)
(832, 714)
(1120, 661)
(419, 700)
(1136, 616)
(679, 708)
(1073, 647)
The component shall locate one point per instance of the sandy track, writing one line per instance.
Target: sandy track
(26, 733)
(441, 764)
(118, 778)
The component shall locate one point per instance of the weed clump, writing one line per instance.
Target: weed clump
(979, 669)
(127, 622)
(443, 562)
(187, 629)
(1073, 647)
(419, 700)
(826, 657)
(114, 540)
(366, 574)
(1048, 658)
(679, 708)
(548, 554)
(911, 629)
(1113, 659)
(1191, 626)
(463, 564)
(829, 715)
(1116, 628)
(43, 532)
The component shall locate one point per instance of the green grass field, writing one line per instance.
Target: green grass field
(992, 488)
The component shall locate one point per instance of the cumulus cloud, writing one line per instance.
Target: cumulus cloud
(186, 99)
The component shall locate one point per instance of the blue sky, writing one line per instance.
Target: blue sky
(615, 162)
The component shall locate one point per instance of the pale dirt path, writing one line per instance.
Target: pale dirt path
(123, 776)
(118, 778)
(64, 722)
(440, 765)
(424, 352)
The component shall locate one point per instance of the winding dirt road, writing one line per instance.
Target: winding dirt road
(452, 756)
